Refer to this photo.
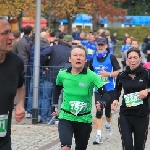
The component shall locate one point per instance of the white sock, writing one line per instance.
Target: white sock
(108, 124)
(99, 133)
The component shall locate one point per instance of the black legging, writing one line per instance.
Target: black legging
(138, 125)
(99, 114)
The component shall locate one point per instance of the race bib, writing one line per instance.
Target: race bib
(77, 107)
(90, 51)
(104, 79)
(3, 125)
(132, 99)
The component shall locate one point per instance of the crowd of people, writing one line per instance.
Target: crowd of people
(93, 67)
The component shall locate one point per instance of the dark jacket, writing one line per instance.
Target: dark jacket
(129, 85)
(44, 46)
(23, 48)
(59, 55)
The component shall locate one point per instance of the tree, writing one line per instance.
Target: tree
(63, 9)
(100, 9)
(19, 8)
(13, 8)
(137, 7)
(97, 8)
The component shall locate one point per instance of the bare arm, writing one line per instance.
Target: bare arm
(103, 73)
(20, 96)
(19, 99)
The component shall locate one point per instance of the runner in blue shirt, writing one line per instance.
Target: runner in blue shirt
(91, 47)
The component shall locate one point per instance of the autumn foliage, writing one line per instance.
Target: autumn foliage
(13, 8)
(98, 9)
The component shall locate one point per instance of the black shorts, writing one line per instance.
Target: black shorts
(108, 105)
(7, 145)
(81, 132)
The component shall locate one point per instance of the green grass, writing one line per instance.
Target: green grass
(117, 50)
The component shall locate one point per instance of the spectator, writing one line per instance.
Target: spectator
(126, 46)
(59, 55)
(148, 52)
(17, 35)
(145, 44)
(114, 40)
(23, 47)
(45, 29)
(44, 45)
(134, 44)
(59, 30)
(82, 38)
(101, 33)
(22, 31)
(147, 39)
(52, 39)
(126, 35)
(61, 35)
(91, 47)
(109, 41)
(75, 33)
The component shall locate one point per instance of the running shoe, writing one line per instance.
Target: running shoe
(28, 115)
(98, 140)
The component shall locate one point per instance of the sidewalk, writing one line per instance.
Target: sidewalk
(26, 136)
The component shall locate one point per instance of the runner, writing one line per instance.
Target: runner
(134, 111)
(107, 67)
(75, 117)
(134, 44)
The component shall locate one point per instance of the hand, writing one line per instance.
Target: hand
(114, 105)
(143, 94)
(103, 73)
(19, 113)
(98, 106)
(51, 44)
(54, 113)
(148, 51)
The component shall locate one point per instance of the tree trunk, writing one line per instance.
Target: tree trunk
(48, 21)
(94, 25)
(70, 25)
(20, 20)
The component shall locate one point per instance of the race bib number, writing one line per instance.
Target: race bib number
(3, 125)
(90, 51)
(132, 99)
(104, 79)
(77, 107)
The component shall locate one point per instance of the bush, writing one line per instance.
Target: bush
(117, 49)
(136, 32)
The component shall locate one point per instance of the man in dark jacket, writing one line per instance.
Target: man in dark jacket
(44, 45)
(23, 48)
(59, 55)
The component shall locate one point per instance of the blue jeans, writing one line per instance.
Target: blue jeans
(27, 87)
(46, 101)
(30, 96)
